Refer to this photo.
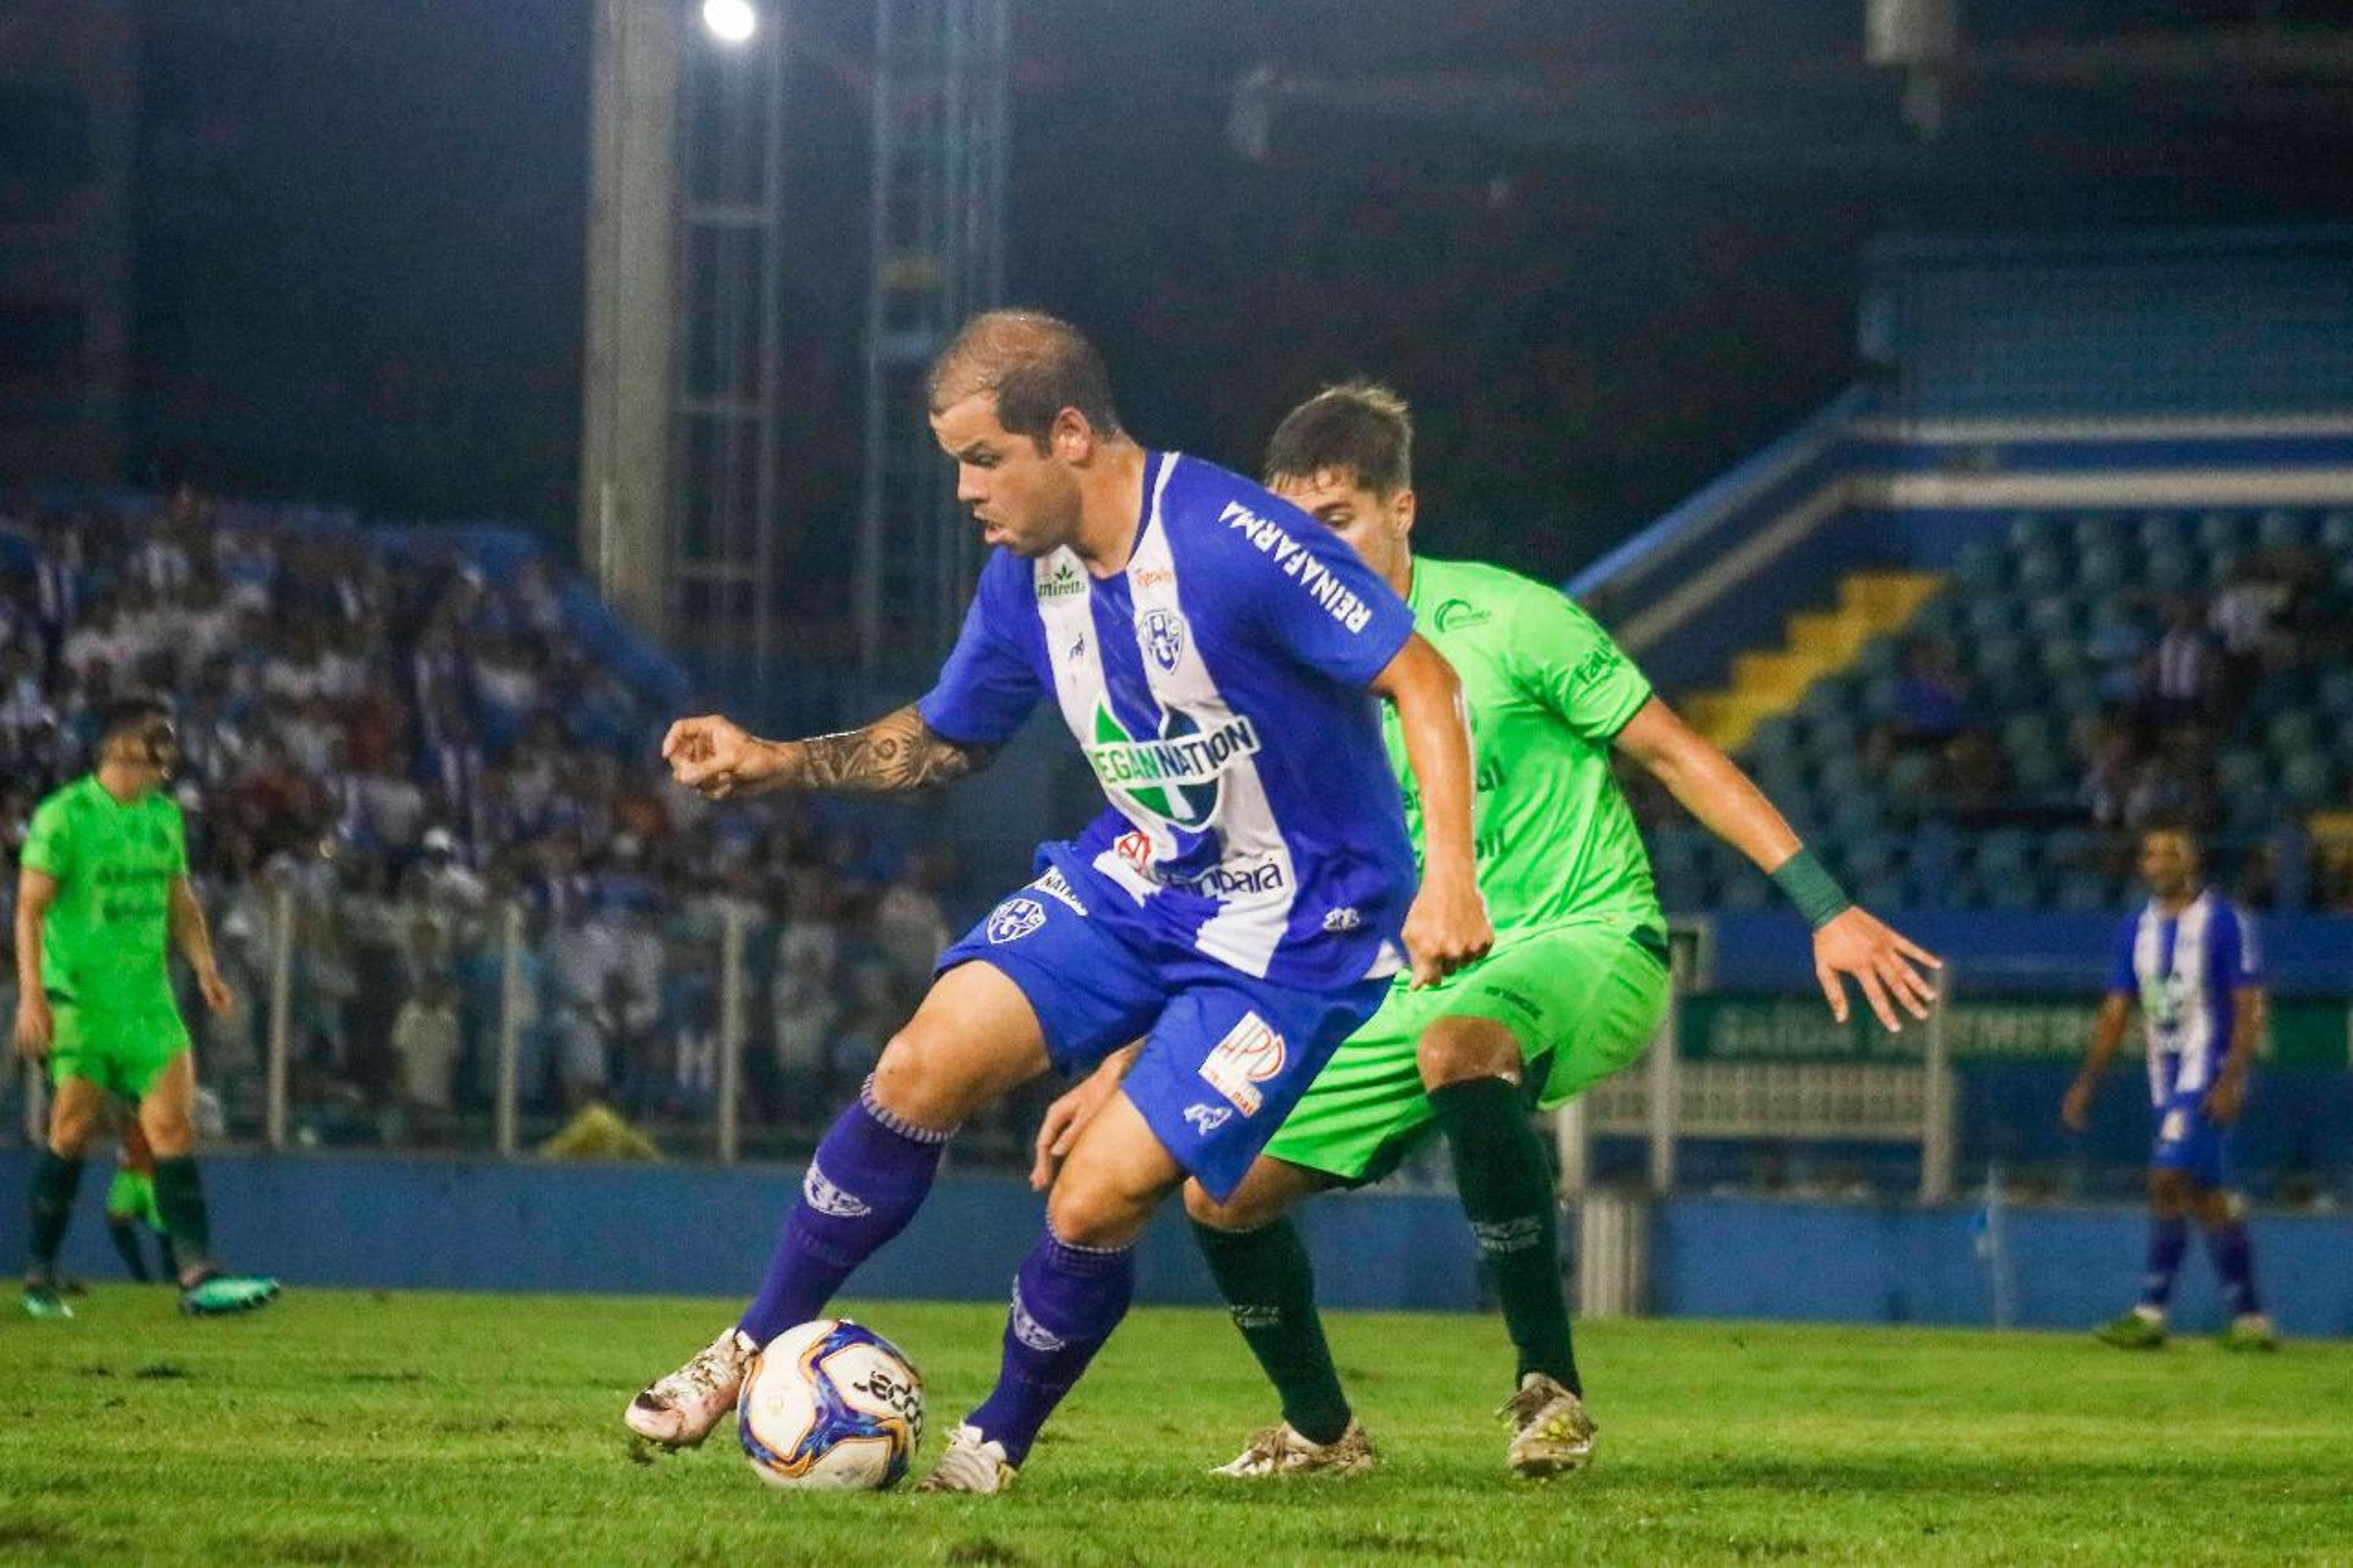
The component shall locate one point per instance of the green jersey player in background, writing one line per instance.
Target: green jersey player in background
(1572, 991)
(102, 894)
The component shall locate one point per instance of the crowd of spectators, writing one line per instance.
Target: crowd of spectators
(398, 743)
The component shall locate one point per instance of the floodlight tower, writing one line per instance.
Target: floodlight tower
(936, 254)
(682, 402)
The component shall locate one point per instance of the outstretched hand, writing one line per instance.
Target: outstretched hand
(1883, 961)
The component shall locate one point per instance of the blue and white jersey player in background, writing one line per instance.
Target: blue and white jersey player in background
(1241, 904)
(2190, 960)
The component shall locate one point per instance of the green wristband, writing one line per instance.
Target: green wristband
(1812, 888)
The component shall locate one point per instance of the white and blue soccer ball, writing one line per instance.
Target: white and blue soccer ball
(831, 1406)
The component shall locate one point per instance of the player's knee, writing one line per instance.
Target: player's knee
(1446, 1060)
(1093, 1213)
(171, 1133)
(2170, 1193)
(910, 1082)
(71, 1131)
(1242, 1211)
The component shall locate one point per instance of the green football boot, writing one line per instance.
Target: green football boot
(2134, 1330)
(2251, 1332)
(42, 1301)
(217, 1295)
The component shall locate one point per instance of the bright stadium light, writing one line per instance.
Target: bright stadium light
(731, 21)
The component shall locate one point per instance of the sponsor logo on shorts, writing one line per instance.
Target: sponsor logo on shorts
(2174, 1128)
(1257, 1316)
(1057, 887)
(1250, 1054)
(1164, 637)
(1029, 1329)
(1014, 919)
(1207, 1118)
(822, 1196)
(1345, 918)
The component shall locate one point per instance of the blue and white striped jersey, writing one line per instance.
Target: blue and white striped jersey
(1217, 688)
(2182, 970)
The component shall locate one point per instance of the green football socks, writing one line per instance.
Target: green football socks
(180, 1198)
(1506, 1188)
(1266, 1279)
(55, 1180)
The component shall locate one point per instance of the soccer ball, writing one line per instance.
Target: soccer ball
(831, 1406)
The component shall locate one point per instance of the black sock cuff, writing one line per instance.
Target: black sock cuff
(1473, 1095)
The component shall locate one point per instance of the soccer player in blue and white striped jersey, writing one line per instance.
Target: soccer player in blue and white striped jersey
(2191, 961)
(1241, 903)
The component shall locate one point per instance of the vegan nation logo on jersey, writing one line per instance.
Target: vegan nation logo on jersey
(1177, 775)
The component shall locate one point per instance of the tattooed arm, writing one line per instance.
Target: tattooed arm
(898, 752)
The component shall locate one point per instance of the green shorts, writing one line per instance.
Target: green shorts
(122, 1053)
(133, 1196)
(1583, 1001)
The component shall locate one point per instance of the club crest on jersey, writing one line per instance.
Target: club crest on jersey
(1177, 775)
(1164, 637)
(1014, 919)
(1250, 1054)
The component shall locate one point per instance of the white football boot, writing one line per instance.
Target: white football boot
(972, 1463)
(680, 1411)
(1551, 1432)
(1281, 1450)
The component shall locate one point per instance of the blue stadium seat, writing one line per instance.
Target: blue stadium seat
(2107, 567)
(2220, 530)
(2334, 693)
(2171, 569)
(2307, 782)
(2030, 530)
(2336, 532)
(2080, 891)
(2291, 733)
(2101, 531)
(2054, 616)
(2279, 529)
(1982, 564)
(2046, 569)
(2241, 772)
(2164, 530)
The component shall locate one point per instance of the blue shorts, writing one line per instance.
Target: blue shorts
(1226, 1056)
(2189, 1142)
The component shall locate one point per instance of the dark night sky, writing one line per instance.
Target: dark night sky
(360, 279)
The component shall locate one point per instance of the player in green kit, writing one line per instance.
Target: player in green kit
(1572, 991)
(102, 894)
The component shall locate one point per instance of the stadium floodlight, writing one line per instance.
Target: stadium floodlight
(731, 21)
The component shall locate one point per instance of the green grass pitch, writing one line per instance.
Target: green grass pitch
(381, 1428)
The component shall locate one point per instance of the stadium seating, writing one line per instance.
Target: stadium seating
(2050, 622)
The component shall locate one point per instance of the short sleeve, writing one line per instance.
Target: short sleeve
(1312, 595)
(1560, 656)
(48, 847)
(987, 688)
(2123, 980)
(2238, 954)
(178, 834)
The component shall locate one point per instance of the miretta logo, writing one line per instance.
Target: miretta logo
(1459, 615)
(1062, 581)
(1176, 774)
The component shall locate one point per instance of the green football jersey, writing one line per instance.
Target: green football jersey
(1548, 692)
(104, 944)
